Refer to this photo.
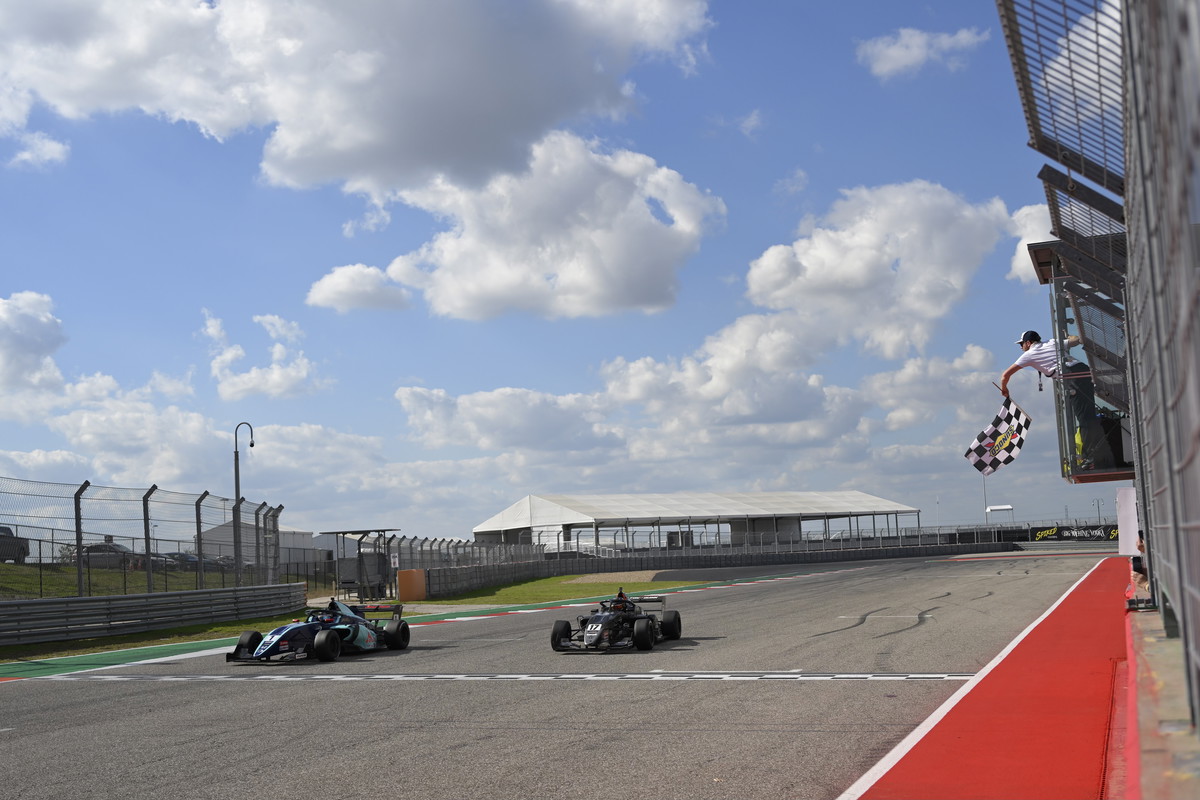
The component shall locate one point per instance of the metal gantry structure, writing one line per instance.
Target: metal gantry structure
(1110, 91)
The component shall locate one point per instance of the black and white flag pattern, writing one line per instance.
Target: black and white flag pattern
(1000, 442)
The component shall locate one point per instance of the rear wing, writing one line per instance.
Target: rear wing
(659, 600)
(396, 610)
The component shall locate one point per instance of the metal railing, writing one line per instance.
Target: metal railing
(61, 619)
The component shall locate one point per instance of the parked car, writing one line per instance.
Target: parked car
(212, 564)
(109, 556)
(184, 561)
(228, 562)
(12, 547)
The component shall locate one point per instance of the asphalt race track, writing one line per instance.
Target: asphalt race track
(784, 688)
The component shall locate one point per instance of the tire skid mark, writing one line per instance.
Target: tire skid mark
(922, 618)
(862, 620)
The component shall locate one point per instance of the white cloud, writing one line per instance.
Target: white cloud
(48, 465)
(921, 389)
(1092, 47)
(1031, 224)
(750, 124)
(38, 149)
(441, 106)
(383, 98)
(279, 328)
(582, 233)
(881, 268)
(909, 49)
(30, 335)
(506, 418)
(794, 183)
(357, 286)
(287, 375)
(171, 387)
(132, 442)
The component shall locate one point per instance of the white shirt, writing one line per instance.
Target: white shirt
(1043, 356)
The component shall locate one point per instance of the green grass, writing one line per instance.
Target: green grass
(544, 590)
(22, 581)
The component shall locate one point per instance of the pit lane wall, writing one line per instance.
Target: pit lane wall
(451, 581)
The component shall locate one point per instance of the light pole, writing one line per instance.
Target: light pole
(237, 505)
(1098, 503)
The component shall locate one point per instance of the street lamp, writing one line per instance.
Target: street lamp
(237, 504)
(1098, 503)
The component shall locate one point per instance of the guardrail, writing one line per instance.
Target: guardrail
(61, 619)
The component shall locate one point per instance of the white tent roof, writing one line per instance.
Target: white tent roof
(553, 510)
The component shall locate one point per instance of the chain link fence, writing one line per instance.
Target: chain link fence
(67, 540)
(86, 540)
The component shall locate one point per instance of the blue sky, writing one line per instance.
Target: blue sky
(444, 255)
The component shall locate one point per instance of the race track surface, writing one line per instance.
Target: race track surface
(789, 687)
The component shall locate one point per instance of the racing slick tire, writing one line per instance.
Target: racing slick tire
(396, 634)
(643, 634)
(672, 625)
(249, 641)
(560, 631)
(327, 645)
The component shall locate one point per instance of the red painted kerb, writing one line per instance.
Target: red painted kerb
(1037, 726)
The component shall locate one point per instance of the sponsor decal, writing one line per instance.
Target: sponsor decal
(1056, 533)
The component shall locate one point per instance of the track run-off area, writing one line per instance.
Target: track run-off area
(787, 682)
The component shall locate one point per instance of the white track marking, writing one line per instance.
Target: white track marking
(527, 676)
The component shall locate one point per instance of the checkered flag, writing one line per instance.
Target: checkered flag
(1000, 442)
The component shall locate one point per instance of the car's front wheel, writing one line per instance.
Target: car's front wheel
(327, 645)
(249, 641)
(643, 634)
(560, 631)
(396, 635)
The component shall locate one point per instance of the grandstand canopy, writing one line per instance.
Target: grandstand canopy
(694, 508)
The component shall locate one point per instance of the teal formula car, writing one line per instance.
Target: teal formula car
(326, 634)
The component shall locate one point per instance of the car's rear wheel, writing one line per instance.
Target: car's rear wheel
(560, 631)
(643, 634)
(672, 625)
(396, 634)
(327, 645)
(249, 641)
